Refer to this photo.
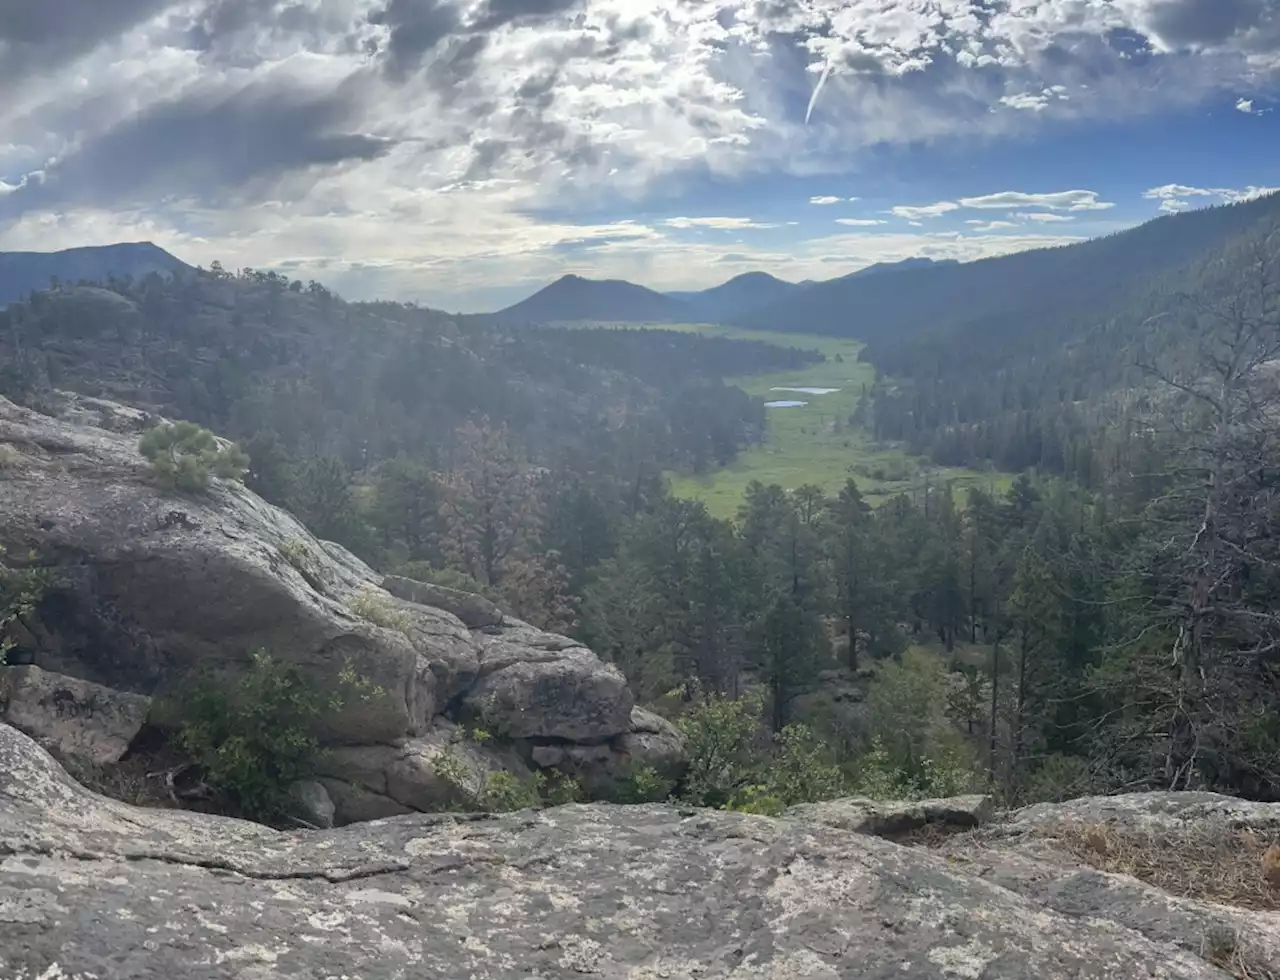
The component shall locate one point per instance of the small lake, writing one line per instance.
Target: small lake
(809, 391)
(785, 404)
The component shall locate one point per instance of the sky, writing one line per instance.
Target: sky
(463, 153)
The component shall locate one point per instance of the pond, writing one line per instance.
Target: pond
(785, 404)
(809, 391)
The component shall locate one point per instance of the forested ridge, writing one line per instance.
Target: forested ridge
(1085, 631)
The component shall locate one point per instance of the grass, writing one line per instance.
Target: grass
(814, 443)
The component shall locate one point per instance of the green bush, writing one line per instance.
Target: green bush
(643, 784)
(21, 590)
(256, 738)
(186, 456)
(800, 770)
(720, 733)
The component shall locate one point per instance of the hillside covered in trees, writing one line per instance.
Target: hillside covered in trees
(1083, 631)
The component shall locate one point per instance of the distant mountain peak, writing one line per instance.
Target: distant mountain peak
(26, 272)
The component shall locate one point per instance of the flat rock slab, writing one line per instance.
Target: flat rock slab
(104, 889)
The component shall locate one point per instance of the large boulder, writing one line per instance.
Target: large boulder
(540, 685)
(93, 887)
(441, 770)
(74, 717)
(603, 769)
(155, 588)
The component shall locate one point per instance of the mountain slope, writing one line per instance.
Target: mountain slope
(1016, 288)
(1037, 359)
(901, 266)
(738, 295)
(572, 298)
(25, 272)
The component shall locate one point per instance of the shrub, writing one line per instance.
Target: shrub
(371, 604)
(643, 784)
(883, 777)
(186, 456)
(800, 770)
(719, 734)
(21, 590)
(256, 738)
(505, 791)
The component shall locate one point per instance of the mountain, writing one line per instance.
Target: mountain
(738, 295)
(903, 266)
(25, 272)
(1034, 359)
(572, 298)
(1017, 289)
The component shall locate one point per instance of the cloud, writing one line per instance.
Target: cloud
(1173, 197)
(1010, 201)
(914, 213)
(1043, 217)
(208, 144)
(1059, 201)
(1036, 101)
(860, 222)
(38, 37)
(826, 199)
(719, 223)
(988, 226)
(1245, 105)
(228, 126)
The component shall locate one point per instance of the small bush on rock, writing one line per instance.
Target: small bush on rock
(370, 604)
(186, 456)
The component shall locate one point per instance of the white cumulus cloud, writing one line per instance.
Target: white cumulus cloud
(860, 222)
(1058, 201)
(916, 212)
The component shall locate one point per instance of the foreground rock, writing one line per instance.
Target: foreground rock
(154, 588)
(93, 887)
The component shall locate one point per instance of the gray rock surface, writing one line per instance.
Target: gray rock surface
(313, 803)
(72, 716)
(1026, 852)
(93, 887)
(539, 685)
(474, 610)
(154, 588)
(438, 771)
(888, 819)
(652, 742)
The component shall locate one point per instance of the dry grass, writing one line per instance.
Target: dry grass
(1206, 862)
(1213, 863)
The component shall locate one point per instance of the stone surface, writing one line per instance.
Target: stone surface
(548, 688)
(883, 819)
(73, 716)
(313, 803)
(652, 741)
(1023, 852)
(153, 588)
(474, 610)
(633, 893)
(410, 775)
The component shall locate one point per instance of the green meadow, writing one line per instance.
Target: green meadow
(814, 443)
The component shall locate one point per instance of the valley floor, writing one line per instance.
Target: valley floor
(815, 442)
